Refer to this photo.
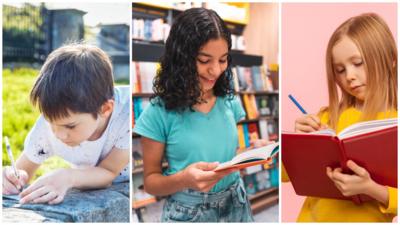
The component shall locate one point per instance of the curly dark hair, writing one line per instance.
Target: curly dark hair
(177, 82)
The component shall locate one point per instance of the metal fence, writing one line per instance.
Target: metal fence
(26, 36)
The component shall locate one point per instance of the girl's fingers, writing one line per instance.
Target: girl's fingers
(310, 121)
(329, 172)
(360, 171)
(304, 128)
(316, 120)
(338, 176)
(206, 166)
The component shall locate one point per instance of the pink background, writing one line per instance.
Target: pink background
(306, 28)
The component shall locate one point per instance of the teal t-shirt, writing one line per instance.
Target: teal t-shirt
(192, 136)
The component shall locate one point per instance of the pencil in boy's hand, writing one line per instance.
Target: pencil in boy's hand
(10, 156)
(297, 104)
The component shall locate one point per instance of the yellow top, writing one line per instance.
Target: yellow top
(332, 210)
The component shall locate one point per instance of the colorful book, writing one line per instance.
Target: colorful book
(254, 107)
(246, 135)
(250, 106)
(242, 143)
(253, 131)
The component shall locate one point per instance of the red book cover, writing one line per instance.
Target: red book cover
(306, 157)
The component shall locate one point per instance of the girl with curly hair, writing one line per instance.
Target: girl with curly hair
(191, 121)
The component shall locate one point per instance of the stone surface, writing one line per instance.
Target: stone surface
(103, 205)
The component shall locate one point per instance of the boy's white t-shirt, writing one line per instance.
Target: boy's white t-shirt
(41, 142)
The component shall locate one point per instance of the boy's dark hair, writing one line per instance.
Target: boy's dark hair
(177, 82)
(74, 78)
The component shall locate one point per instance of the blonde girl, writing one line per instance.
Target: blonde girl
(361, 59)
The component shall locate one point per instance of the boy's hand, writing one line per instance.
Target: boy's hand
(308, 123)
(49, 188)
(11, 184)
(201, 177)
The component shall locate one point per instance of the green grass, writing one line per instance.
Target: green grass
(19, 116)
(121, 82)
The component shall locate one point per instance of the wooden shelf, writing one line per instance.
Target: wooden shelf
(258, 119)
(262, 193)
(142, 95)
(138, 40)
(152, 52)
(264, 200)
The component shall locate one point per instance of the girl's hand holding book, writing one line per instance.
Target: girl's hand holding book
(308, 123)
(201, 177)
(11, 183)
(50, 188)
(358, 183)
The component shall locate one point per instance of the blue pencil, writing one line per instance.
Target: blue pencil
(297, 104)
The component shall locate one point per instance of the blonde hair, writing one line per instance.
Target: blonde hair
(378, 50)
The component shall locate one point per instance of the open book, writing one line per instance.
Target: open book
(372, 145)
(359, 128)
(251, 157)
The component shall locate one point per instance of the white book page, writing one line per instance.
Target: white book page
(366, 127)
(257, 153)
(328, 131)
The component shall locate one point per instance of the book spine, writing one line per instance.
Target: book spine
(242, 144)
(138, 78)
(235, 79)
(246, 135)
(264, 129)
(254, 106)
